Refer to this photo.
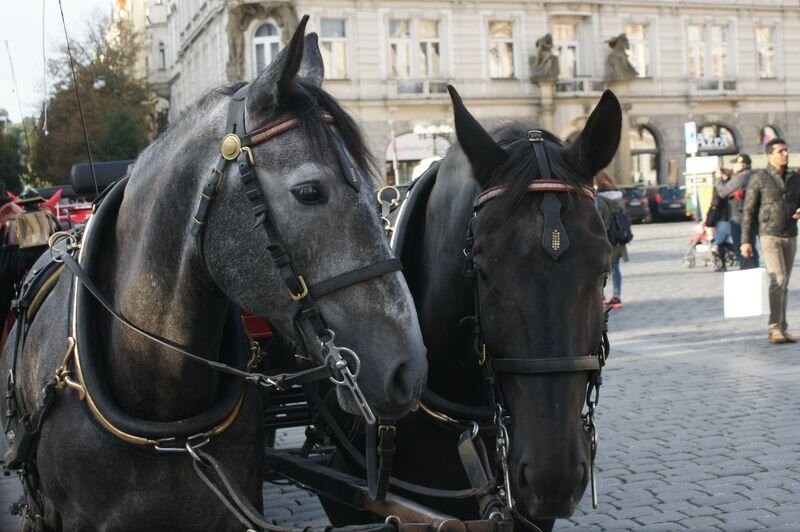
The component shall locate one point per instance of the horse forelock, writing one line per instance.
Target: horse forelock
(307, 104)
(521, 167)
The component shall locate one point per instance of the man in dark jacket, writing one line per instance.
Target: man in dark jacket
(773, 201)
(734, 189)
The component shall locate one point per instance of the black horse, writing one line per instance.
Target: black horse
(506, 257)
(176, 251)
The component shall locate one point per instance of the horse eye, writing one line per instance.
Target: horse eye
(308, 193)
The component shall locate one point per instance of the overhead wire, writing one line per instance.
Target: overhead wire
(19, 103)
(78, 97)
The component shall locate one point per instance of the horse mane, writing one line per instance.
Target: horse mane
(521, 167)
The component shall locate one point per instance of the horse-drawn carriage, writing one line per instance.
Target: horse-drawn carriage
(132, 400)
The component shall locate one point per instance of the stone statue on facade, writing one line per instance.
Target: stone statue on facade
(618, 67)
(544, 65)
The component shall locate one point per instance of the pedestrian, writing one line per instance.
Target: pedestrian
(773, 202)
(735, 190)
(609, 200)
(722, 227)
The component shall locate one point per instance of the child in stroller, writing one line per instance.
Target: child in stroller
(702, 246)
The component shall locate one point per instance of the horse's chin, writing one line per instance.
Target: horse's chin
(537, 509)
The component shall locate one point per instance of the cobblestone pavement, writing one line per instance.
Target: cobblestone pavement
(698, 419)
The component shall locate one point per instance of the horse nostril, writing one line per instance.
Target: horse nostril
(399, 384)
(524, 481)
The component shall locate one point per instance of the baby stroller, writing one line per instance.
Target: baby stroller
(702, 247)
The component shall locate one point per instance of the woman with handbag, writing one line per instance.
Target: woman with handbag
(718, 217)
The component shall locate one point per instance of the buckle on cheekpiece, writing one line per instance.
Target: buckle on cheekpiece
(535, 135)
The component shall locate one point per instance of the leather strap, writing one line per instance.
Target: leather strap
(355, 276)
(343, 442)
(555, 239)
(481, 414)
(532, 366)
(539, 185)
(537, 141)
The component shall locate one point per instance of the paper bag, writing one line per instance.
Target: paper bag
(746, 293)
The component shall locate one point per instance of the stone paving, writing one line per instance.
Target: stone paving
(698, 418)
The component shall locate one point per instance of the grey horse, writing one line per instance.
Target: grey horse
(148, 264)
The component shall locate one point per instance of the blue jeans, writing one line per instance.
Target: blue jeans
(616, 277)
(736, 236)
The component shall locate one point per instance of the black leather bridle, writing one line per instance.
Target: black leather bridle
(555, 240)
(237, 146)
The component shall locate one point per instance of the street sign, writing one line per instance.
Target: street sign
(690, 137)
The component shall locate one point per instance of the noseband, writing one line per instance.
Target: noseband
(237, 146)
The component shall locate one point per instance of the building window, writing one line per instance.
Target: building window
(718, 36)
(708, 51)
(162, 56)
(565, 42)
(644, 156)
(266, 45)
(333, 45)
(400, 48)
(501, 49)
(639, 52)
(765, 45)
(430, 57)
(415, 49)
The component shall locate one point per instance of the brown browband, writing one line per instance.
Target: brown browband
(539, 185)
(279, 127)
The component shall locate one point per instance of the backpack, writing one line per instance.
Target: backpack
(619, 228)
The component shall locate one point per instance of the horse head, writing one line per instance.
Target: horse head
(310, 164)
(541, 259)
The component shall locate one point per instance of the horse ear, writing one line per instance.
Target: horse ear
(312, 70)
(482, 151)
(598, 142)
(277, 81)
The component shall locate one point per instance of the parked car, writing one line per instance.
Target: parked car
(667, 203)
(635, 205)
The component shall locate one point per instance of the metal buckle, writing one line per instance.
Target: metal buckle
(303, 292)
(535, 135)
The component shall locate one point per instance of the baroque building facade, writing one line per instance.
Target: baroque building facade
(726, 65)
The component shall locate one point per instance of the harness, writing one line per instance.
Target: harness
(340, 365)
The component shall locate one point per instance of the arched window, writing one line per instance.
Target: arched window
(266, 45)
(645, 156)
(767, 133)
(715, 139)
